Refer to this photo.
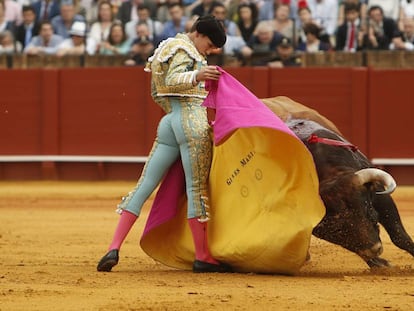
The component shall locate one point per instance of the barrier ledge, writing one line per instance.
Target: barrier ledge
(73, 158)
(393, 161)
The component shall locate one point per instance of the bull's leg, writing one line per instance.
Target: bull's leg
(377, 262)
(389, 218)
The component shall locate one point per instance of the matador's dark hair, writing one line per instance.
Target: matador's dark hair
(211, 27)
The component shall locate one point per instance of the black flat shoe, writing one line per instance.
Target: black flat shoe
(108, 261)
(206, 267)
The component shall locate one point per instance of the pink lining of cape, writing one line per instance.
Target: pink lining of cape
(236, 107)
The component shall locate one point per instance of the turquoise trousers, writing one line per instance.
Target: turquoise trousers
(182, 132)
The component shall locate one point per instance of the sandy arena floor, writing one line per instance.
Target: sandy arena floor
(53, 234)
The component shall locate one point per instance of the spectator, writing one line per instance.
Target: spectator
(265, 40)
(13, 12)
(247, 16)
(30, 27)
(408, 29)
(142, 46)
(100, 29)
(46, 9)
(204, 8)
(232, 7)
(190, 23)
(155, 27)
(406, 11)
(177, 21)
(91, 10)
(236, 46)
(285, 55)
(116, 4)
(390, 8)
(313, 43)
(406, 40)
(381, 30)
(281, 22)
(349, 37)
(117, 42)
(128, 10)
(188, 2)
(219, 11)
(294, 7)
(267, 9)
(44, 43)
(7, 43)
(79, 9)
(76, 45)
(362, 10)
(4, 24)
(305, 17)
(163, 14)
(63, 22)
(325, 12)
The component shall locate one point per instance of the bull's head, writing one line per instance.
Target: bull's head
(351, 219)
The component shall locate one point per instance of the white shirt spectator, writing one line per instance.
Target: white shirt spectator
(407, 8)
(325, 13)
(13, 12)
(67, 44)
(97, 33)
(236, 45)
(38, 46)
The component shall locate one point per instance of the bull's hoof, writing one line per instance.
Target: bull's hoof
(377, 262)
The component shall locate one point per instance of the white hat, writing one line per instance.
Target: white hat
(78, 29)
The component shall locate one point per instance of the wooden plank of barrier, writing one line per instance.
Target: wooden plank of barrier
(3, 61)
(105, 60)
(19, 61)
(34, 61)
(332, 59)
(408, 59)
(385, 59)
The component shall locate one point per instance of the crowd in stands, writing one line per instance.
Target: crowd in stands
(280, 30)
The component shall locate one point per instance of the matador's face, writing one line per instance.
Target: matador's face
(203, 44)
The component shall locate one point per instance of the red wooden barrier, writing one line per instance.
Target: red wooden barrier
(109, 112)
(391, 109)
(20, 120)
(338, 93)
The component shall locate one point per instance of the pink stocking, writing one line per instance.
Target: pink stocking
(125, 223)
(199, 231)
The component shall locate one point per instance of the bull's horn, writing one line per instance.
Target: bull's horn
(374, 174)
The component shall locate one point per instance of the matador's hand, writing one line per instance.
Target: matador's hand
(208, 73)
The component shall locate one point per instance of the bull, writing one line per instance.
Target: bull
(357, 196)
